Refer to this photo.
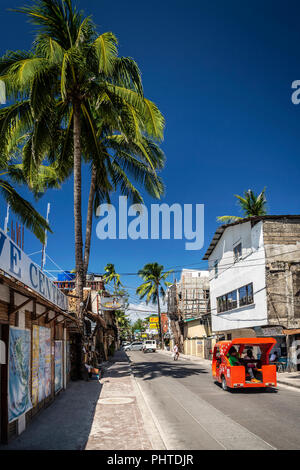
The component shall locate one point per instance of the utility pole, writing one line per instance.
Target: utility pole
(6, 219)
(45, 244)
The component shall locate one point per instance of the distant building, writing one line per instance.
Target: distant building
(254, 267)
(189, 311)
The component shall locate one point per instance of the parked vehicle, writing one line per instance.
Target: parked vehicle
(239, 375)
(149, 345)
(135, 346)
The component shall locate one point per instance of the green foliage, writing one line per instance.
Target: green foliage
(154, 283)
(250, 204)
(112, 276)
(70, 64)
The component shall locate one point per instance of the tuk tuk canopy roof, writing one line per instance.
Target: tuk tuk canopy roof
(265, 343)
(253, 341)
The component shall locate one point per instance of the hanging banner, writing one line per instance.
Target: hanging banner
(19, 401)
(35, 365)
(47, 338)
(58, 366)
(111, 303)
(41, 364)
(68, 358)
(16, 263)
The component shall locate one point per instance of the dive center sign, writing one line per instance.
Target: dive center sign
(16, 263)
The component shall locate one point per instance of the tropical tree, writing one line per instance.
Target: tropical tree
(153, 287)
(23, 208)
(123, 324)
(14, 173)
(250, 204)
(65, 91)
(112, 276)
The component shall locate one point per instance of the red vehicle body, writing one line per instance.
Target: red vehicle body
(236, 376)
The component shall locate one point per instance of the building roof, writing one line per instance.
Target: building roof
(220, 230)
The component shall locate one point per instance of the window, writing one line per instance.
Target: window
(246, 295)
(216, 268)
(227, 302)
(232, 300)
(237, 252)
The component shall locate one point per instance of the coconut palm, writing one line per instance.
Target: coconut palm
(21, 207)
(70, 78)
(250, 204)
(153, 286)
(112, 276)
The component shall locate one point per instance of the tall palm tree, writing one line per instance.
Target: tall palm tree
(153, 286)
(71, 77)
(21, 207)
(250, 204)
(112, 276)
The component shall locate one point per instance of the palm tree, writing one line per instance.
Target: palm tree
(152, 288)
(21, 207)
(112, 276)
(70, 78)
(123, 323)
(250, 204)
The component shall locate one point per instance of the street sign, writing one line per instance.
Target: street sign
(153, 326)
(111, 303)
(153, 319)
(144, 336)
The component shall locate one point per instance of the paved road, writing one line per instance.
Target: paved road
(192, 412)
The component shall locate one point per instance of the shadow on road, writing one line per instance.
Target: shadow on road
(249, 391)
(152, 370)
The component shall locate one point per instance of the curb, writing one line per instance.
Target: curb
(151, 424)
(285, 382)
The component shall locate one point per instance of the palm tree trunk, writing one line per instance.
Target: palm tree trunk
(89, 221)
(159, 317)
(77, 208)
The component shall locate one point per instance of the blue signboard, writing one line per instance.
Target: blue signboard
(16, 263)
(19, 373)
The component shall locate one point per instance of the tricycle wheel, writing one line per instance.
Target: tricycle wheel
(224, 384)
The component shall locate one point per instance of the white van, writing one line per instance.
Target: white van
(149, 345)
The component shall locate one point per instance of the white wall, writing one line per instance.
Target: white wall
(231, 276)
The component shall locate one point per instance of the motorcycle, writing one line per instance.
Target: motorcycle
(175, 356)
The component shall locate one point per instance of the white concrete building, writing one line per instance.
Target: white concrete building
(237, 278)
(254, 267)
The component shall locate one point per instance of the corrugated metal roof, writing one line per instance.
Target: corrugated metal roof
(220, 230)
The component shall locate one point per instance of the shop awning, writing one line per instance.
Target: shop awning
(95, 318)
(295, 331)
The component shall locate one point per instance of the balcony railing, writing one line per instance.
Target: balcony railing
(70, 285)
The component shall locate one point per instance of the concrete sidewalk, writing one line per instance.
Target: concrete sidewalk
(289, 378)
(109, 414)
(122, 420)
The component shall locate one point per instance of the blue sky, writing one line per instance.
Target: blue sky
(221, 73)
